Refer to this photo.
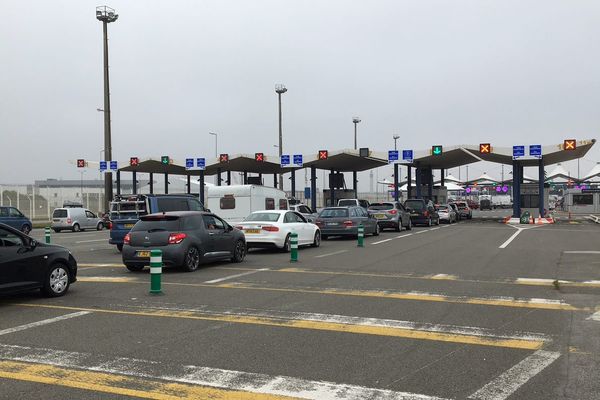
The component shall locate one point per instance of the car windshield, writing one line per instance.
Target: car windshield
(334, 213)
(381, 206)
(263, 216)
(59, 214)
(347, 202)
(414, 204)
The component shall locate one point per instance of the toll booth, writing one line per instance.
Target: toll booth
(439, 194)
(582, 201)
(530, 198)
(338, 194)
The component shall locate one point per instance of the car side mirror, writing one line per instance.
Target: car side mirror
(207, 210)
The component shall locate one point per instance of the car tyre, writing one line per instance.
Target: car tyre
(317, 239)
(134, 267)
(57, 281)
(76, 228)
(287, 245)
(120, 247)
(100, 226)
(377, 230)
(26, 229)
(56, 230)
(191, 262)
(239, 252)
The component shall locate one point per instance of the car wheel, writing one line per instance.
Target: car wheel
(134, 267)
(317, 239)
(191, 261)
(57, 281)
(26, 229)
(287, 245)
(239, 252)
(100, 226)
(409, 226)
(56, 230)
(377, 230)
(76, 228)
(120, 247)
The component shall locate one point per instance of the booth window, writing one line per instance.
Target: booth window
(530, 201)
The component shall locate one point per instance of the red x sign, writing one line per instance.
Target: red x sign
(570, 144)
(224, 158)
(323, 154)
(134, 161)
(81, 163)
(485, 148)
(260, 157)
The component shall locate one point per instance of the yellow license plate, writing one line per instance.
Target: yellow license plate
(143, 254)
(380, 216)
(252, 230)
(129, 226)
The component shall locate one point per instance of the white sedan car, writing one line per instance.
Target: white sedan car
(272, 228)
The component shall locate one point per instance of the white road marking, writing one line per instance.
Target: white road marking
(511, 380)
(416, 233)
(236, 275)
(204, 376)
(331, 254)
(383, 241)
(510, 239)
(401, 236)
(43, 322)
(582, 252)
(94, 240)
(434, 229)
(445, 277)
(594, 317)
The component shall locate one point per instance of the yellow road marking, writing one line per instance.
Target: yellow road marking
(525, 344)
(111, 279)
(119, 384)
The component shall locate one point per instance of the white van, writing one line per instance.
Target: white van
(236, 202)
(75, 219)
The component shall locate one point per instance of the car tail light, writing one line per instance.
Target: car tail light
(176, 238)
(426, 214)
(393, 212)
(239, 227)
(270, 228)
(110, 225)
(69, 220)
(319, 223)
(127, 239)
(348, 223)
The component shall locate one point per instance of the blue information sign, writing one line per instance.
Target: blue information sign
(298, 160)
(200, 163)
(518, 151)
(535, 150)
(407, 155)
(189, 163)
(285, 160)
(307, 193)
(102, 166)
(392, 156)
(114, 165)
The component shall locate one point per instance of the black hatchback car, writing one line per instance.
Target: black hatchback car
(186, 239)
(26, 264)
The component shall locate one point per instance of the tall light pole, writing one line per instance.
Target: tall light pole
(280, 89)
(106, 15)
(396, 137)
(355, 120)
(217, 177)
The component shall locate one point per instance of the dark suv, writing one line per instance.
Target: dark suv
(422, 212)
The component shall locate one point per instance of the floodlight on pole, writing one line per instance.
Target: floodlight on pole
(280, 89)
(355, 120)
(396, 137)
(216, 143)
(106, 15)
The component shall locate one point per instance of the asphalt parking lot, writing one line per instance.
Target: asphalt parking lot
(474, 310)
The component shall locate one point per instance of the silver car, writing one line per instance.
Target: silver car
(447, 213)
(306, 212)
(75, 219)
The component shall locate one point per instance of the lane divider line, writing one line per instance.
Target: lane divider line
(331, 254)
(236, 276)
(43, 322)
(119, 375)
(383, 241)
(594, 317)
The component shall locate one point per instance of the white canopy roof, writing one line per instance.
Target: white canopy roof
(559, 173)
(484, 179)
(594, 173)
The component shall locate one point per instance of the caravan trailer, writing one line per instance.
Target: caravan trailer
(236, 202)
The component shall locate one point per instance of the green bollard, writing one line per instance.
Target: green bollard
(155, 271)
(47, 234)
(361, 235)
(294, 247)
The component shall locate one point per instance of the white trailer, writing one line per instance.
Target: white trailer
(236, 202)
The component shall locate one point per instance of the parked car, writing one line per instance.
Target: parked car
(485, 204)
(186, 238)
(473, 205)
(344, 221)
(464, 210)
(273, 228)
(446, 213)
(126, 210)
(15, 218)
(353, 202)
(455, 208)
(26, 264)
(390, 214)
(234, 203)
(306, 212)
(422, 212)
(75, 219)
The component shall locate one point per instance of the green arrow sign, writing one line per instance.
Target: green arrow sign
(436, 150)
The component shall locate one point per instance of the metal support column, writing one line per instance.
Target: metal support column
(293, 181)
(189, 184)
(408, 182)
(355, 182)
(218, 176)
(260, 178)
(151, 183)
(331, 189)
(275, 181)
(396, 194)
(118, 182)
(228, 178)
(313, 188)
(430, 184)
(541, 187)
(166, 183)
(418, 179)
(443, 178)
(245, 178)
(134, 182)
(516, 190)
(201, 182)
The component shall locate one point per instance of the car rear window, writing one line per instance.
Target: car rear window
(59, 214)
(381, 206)
(347, 203)
(167, 223)
(334, 213)
(172, 204)
(414, 204)
(263, 216)
(443, 208)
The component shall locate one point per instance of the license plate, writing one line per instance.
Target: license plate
(142, 254)
(129, 226)
(252, 230)
(414, 214)
(380, 216)
(332, 224)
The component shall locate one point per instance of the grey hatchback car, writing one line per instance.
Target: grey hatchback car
(344, 221)
(186, 238)
(391, 214)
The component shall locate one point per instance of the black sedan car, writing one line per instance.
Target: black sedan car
(26, 264)
(186, 239)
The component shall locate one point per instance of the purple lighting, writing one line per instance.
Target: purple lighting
(498, 189)
(468, 190)
(505, 189)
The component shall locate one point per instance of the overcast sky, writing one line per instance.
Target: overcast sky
(434, 72)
